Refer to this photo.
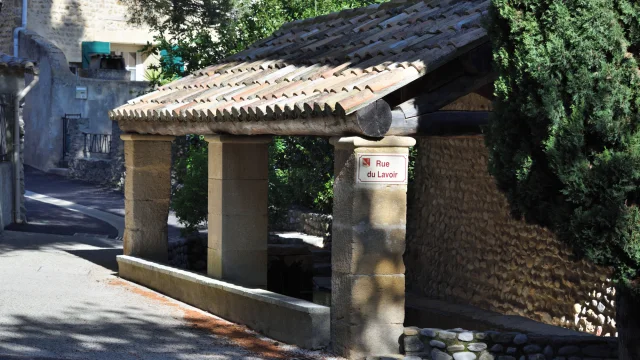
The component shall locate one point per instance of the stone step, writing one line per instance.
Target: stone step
(290, 237)
(322, 269)
(59, 171)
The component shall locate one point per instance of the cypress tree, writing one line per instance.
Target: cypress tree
(564, 140)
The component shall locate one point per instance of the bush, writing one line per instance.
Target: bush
(300, 174)
(190, 182)
(565, 139)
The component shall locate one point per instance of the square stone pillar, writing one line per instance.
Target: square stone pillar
(369, 228)
(147, 191)
(238, 186)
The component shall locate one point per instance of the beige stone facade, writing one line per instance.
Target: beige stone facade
(67, 23)
(369, 229)
(464, 247)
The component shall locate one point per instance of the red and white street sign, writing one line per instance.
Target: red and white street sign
(383, 168)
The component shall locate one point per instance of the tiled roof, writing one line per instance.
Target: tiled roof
(331, 65)
(16, 64)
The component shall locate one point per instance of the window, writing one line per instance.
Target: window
(130, 61)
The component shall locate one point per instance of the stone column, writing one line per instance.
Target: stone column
(147, 191)
(369, 227)
(238, 185)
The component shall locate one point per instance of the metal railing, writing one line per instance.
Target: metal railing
(97, 143)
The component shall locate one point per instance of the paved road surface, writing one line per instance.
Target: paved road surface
(59, 299)
(46, 218)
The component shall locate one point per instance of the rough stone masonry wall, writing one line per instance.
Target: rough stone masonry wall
(189, 253)
(459, 344)
(67, 23)
(310, 223)
(464, 247)
(9, 19)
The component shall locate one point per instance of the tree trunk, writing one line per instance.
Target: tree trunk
(628, 323)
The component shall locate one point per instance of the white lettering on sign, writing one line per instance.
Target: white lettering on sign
(383, 168)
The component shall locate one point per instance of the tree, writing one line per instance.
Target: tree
(564, 142)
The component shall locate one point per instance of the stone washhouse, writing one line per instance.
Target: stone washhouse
(369, 78)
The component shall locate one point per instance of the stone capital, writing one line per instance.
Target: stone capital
(145, 137)
(356, 142)
(238, 139)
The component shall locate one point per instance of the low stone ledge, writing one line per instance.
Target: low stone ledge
(460, 344)
(283, 318)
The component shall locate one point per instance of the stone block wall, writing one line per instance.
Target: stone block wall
(464, 247)
(459, 344)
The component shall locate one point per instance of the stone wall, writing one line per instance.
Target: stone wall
(10, 84)
(96, 171)
(464, 247)
(189, 253)
(55, 96)
(310, 223)
(66, 23)
(6, 194)
(459, 344)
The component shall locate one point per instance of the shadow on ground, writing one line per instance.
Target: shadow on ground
(130, 333)
(50, 219)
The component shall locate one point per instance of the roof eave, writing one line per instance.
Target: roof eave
(371, 121)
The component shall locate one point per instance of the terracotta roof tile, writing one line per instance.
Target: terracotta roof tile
(328, 65)
(14, 64)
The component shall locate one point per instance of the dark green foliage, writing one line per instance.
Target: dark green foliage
(565, 139)
(190, 176)
(300, 173)
(202, 32)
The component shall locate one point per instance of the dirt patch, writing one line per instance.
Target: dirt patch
(237, 334)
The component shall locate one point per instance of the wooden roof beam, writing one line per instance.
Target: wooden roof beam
(439, 123)
(371, 121)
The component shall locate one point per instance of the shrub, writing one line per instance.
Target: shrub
(565, 139)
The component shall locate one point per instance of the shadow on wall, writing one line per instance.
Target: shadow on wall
(464, 247)
(368, 285)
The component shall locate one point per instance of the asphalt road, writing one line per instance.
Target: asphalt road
(46, 218)
(59, 299)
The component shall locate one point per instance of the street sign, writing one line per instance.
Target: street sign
(383, 168)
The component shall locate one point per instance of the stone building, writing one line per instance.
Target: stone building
(69, 23)
(372, 79)
(66, 37)
(12, 92)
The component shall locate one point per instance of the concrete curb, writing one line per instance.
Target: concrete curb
(284, 318)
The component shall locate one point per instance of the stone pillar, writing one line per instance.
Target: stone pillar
(238, 185)
(147, 191)
(369, 227)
